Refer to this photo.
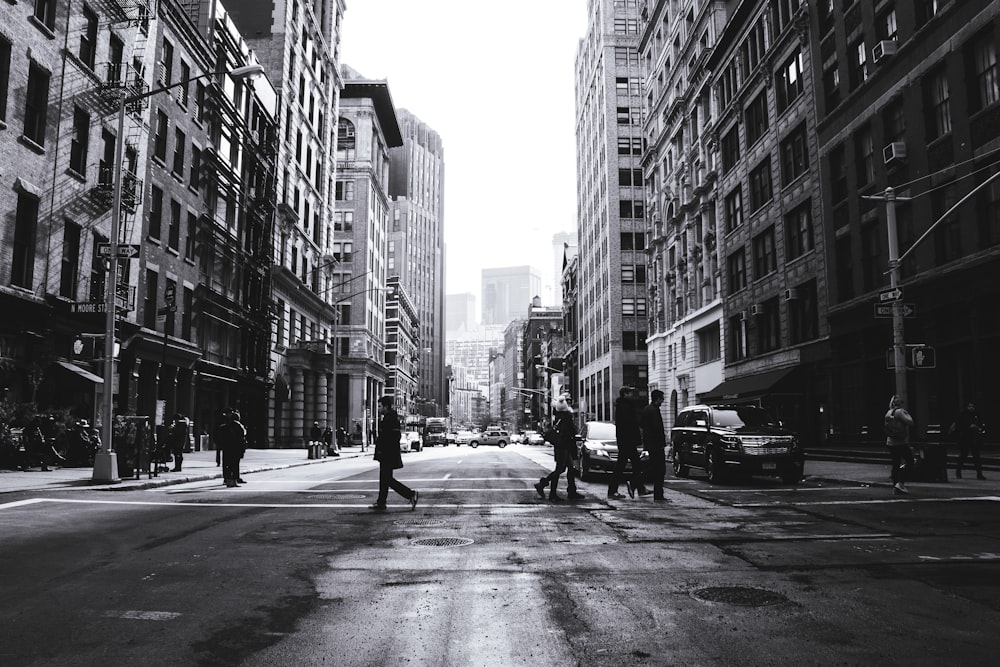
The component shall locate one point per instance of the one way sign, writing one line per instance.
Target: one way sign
(125, 250)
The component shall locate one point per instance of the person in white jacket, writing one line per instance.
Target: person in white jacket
(897, 438)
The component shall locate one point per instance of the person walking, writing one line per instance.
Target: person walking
(388, 456)
(654, 441)
(230, 438)
(331, 448)
(969, 430)
(178, 439)
(629, 437)
(563, 436)
(897, 430)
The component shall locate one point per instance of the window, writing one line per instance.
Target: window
(166, 64)
(894, 121)
(864, 156)
(783, 11)
(845, 269)
(628, 273)
(199, 102)
(858, 58)
(628, 306)
(184, 92)
(885, 24)
(831, 87)
(764, 259)
(4, 75)
(631, 209)
(794, 155)
(803, 314)
(769, 327)
(155, 212)
(174, 230)
(798, 231)
(190, 235)
(187, 313)
(730, 149)
(709, 343)
(36, 104)
(168, 325)
(149, 300)
(838, 173)
(345, 191)
(160, 143)
(948, 234)
(926, 9)
(760, 185)
(346, 149)
(873, 265)
(788, 82)
(180, 139)
(737, 338)
(23, 248)
(96, 270)
(937, 97)
(736, 265)
(45, 13)
(88, 38)
(343, 221)
(194, 177)
(756, 119)
(734, 209)
(80, 141)
(982, 66)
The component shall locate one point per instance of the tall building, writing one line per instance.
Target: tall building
(299, 42)
(560, 242)
(460, 312)
(910, 99)
(610, 207)
(367, 130)
(507, 292)
(416, 247)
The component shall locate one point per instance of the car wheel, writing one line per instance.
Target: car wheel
(502, 444)
(713, 468)
(473, 444)
(680, 470)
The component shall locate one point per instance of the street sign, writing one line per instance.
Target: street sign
(166, 309)
(170, 295)
(885, 310)
(923, 356)
(125, 250)
(894, 294)
(89, 307)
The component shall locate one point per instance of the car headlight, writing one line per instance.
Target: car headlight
(644, 455)
(730, 443)
(601, 453)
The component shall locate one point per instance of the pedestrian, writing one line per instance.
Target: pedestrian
(969, 431)
(562, 435)
(230, 439)
(331, 448)
(654, 441)
(629, 437)
(388, 456)
(315, 434)
(177, 437)
(897, 430)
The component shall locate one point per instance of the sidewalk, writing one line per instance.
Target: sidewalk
(198, 466)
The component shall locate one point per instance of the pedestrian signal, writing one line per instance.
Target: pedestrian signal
(923, 356)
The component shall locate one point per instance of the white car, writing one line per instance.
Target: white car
(463, 438)
(409, 441)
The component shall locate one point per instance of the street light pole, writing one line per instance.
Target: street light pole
(898, 344)
(106, 459)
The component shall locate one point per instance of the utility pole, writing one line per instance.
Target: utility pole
(898, 344)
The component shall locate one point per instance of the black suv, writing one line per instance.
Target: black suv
(743, 439)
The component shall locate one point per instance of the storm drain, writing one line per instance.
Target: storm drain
(743, 596)
(443, 542)
(419, 522)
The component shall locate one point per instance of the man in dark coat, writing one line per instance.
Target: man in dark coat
(388, 456)
(178, 439)
(629, 437)
(230, 438)
(654, 441)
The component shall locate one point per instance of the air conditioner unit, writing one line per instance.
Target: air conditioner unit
(792, 293)
(743, 316)
(887, 47)
(894, 151)
(757, 309)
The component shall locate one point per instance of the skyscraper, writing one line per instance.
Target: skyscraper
(507, 293)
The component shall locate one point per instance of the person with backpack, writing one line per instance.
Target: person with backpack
(897, 430)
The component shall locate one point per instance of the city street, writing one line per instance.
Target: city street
(294, 569)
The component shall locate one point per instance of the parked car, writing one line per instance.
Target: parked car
(517, 438)
(726, 440)
(452, 437)
(534, 438)
(409, 441)
(463, 438)
(599, 450)
(490, 437)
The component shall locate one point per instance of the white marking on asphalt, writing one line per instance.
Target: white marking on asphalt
(21, 503)
(447, 476)
(356, 506)
(962, 557)
(873, 501)
(790, 490)
(143, 615)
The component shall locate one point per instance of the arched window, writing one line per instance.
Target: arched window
(346, 140)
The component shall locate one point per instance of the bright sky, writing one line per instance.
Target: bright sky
(495, 81)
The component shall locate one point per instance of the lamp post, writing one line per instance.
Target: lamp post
(106, 460)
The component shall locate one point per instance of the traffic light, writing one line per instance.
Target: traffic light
(922, 356)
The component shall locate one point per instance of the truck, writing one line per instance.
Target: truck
(435, 431)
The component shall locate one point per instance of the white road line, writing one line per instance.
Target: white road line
(360, 505)
(20, 503)
(138, 615)
(872, 501)
(790, 490)
(447, 476)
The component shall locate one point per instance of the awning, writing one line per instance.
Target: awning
(82, 372)
(749, 386)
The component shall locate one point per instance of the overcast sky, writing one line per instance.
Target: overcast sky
(495, 80)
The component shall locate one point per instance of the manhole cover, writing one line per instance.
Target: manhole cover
(419, 522)
(744, 596)
(444, 542)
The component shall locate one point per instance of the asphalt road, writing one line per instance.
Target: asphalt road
(293, 569)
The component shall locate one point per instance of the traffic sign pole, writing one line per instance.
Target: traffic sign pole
(898, 344)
